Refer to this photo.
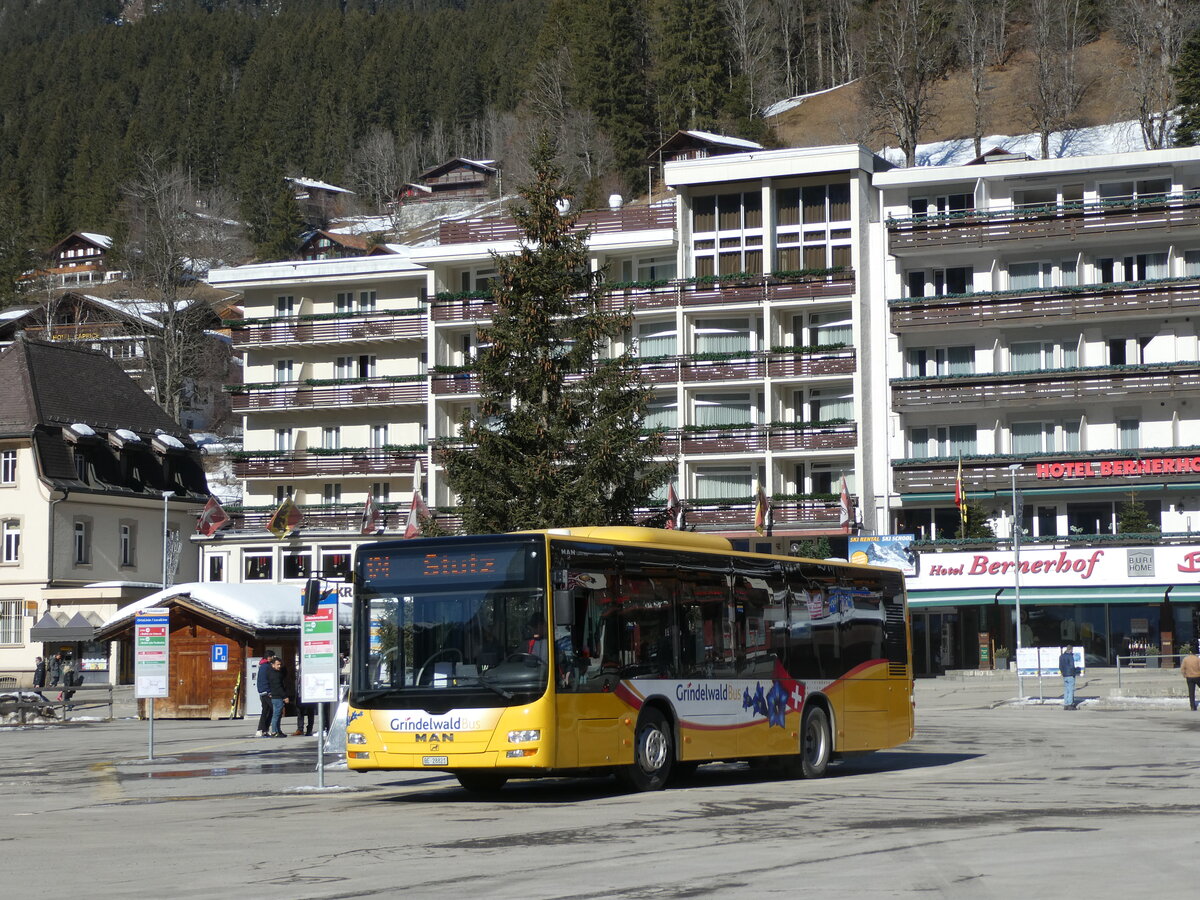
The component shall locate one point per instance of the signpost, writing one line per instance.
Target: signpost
(220, 657)
(319, 667)
(151, 652)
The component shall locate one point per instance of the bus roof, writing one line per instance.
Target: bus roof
(637, 534)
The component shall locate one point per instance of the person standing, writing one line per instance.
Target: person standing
(40, 677)
(305, 712)
(1068, 670)
(1190, 669)
(56, 666)
(277, 686)
(264, 695)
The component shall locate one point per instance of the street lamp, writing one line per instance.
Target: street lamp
(166, 540)
(1016, 548)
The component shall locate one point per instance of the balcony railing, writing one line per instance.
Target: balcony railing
(789, 516)
(1072, 469)
(687, 293)
(347, 328)
(1092, 301)
(399, 391)
(778, 438)
(320, 463)
(600, 221)
(979, 226)
(1047, 385)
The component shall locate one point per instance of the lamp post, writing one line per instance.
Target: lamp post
(1016, 548)
(166, 536)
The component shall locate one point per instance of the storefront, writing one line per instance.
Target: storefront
(1111, 600)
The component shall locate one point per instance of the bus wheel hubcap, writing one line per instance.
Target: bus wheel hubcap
(654, 750)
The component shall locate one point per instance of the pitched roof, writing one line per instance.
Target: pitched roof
(53, 384)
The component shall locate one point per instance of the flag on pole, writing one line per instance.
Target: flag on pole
(370, 516)
(417, 513)
(673, 509)
(285, 520)
(960, 497)
(212, 519)
(762, 512)
(845, 512)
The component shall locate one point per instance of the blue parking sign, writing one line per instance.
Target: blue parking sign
(220, 657)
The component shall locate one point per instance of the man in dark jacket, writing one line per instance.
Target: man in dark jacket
(277, 685)
(1068, 670)
(264, 695)
(56, 667)
(39, 676)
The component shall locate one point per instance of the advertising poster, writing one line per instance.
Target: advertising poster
(319, 653)
(891, 550)
(151, 636)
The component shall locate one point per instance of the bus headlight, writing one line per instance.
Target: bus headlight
(355, 738)
(523, 737)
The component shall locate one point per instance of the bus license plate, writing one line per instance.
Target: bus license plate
(435, 760)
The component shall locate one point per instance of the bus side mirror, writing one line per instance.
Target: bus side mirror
(564, 607)
(312, 596)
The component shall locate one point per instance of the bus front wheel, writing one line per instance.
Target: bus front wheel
(481, 782)
(816, 745)
(653, 753)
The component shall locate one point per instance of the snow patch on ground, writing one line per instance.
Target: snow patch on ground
(1117, 137)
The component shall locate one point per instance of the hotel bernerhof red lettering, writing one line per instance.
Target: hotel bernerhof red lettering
(1119, 468)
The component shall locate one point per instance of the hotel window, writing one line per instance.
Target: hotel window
(1070, 436)
(365, 367)
(477, 280)
(10, 536)
(1141, 267)
(297, 563)
(939, 282)
(283, 440)
(283, 491)
(81, 464)
(366, 301)
(725, 335)
(1031, 437)
(283, 370)
(826, 478)
(258, 566)
(331, 494)
(945, 442)
(378, 437)
(829, 404)
(216, 567)
(285, 306)
(344, 302)
(657, 339)
(8, 466)
(937, 361)
(335, 562)
(1030, 356)
(1127, 434)
(82, 542)
(126, 545)
(659, 268)
(723, 483)
(10, 621)
(331, 438)
(1147, 189)
(830, 328)
(737, 220)
(724, 409)
(381, 491)
(662, 414)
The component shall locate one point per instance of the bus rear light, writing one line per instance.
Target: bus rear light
(524, 737)
(518, 754)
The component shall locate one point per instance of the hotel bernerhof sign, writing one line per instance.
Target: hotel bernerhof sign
(1075, 567)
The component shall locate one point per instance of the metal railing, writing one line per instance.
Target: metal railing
(1131, 662)
(26, 701)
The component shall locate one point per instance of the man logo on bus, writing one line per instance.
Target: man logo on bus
(445, 737)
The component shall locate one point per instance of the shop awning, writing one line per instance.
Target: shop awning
(49, 629)
(965, 597)
(1057, 596)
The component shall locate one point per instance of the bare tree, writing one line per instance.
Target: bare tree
(1057, 29)
(169, 235)
(981, 32)
(906, 54)
(375, 167)
(750, 34)
(1154, 31)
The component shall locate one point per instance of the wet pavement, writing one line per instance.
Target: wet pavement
(993, 798)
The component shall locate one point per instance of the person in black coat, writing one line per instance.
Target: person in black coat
(277, 685)
(39, 676)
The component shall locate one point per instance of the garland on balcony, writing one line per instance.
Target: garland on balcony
(704, 280)
(1002, 458)
(321, 317)
(698, 502)
(322, 382)
(1071, 370)
(326, 451)
(809, 348)
(1044, 292)
(453, 296)
(751, 426)
(1048, 209)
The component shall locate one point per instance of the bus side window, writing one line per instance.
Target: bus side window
(588, 650)
(647, 624)
(862, 628)
(813, 650)
(756, 588)
(706, 626)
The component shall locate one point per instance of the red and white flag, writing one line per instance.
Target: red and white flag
(674, 510)
(845, 512)
(370, 516)
(417, 513)
(212, 519)
(762, 511)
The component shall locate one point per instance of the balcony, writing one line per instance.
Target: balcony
(783, 438)
(599, 221)
(321, 463)
(982, 226)
(442, 384)
(688, 293)
(1046, 386)
(338, 328)
(1069, 470)
(316, 394)
(1096, 302)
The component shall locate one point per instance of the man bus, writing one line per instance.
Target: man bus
(623, 649)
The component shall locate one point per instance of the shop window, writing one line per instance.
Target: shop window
(297, 563)
(258, 567)
(11, 624)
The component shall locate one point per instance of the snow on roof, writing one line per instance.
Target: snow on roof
(723, 139)
(15, 312)
(169, 440)
(319, 185)
(126, 435)
(361, 225)
(102, 240)
(256, 605)
(83, 430)
(137, 309)
(479, 162)
(782, 106)
(1117, 137)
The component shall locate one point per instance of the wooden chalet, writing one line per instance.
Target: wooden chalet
(319, 202)
(457, 179)
(79, 258)
(700, 145)
(330, 245)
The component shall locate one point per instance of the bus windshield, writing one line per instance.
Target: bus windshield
(444, 623)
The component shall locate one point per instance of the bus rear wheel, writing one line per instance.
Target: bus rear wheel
(653, 753)
(481, 782)
(816, 744)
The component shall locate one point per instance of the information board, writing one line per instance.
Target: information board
(319, 653)
(1044, 660)
(151, 652)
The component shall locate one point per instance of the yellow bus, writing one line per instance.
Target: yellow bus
(622, 649)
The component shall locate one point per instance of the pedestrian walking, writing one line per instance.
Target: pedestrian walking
(1068, 670)
(40, 677)
(68, 680)
(305, 712)
(264, 695)
(277, 686)
(1190, 669)
(56, 667)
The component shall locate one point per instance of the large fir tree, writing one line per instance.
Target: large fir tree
(557, 439)
(1187, 89)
